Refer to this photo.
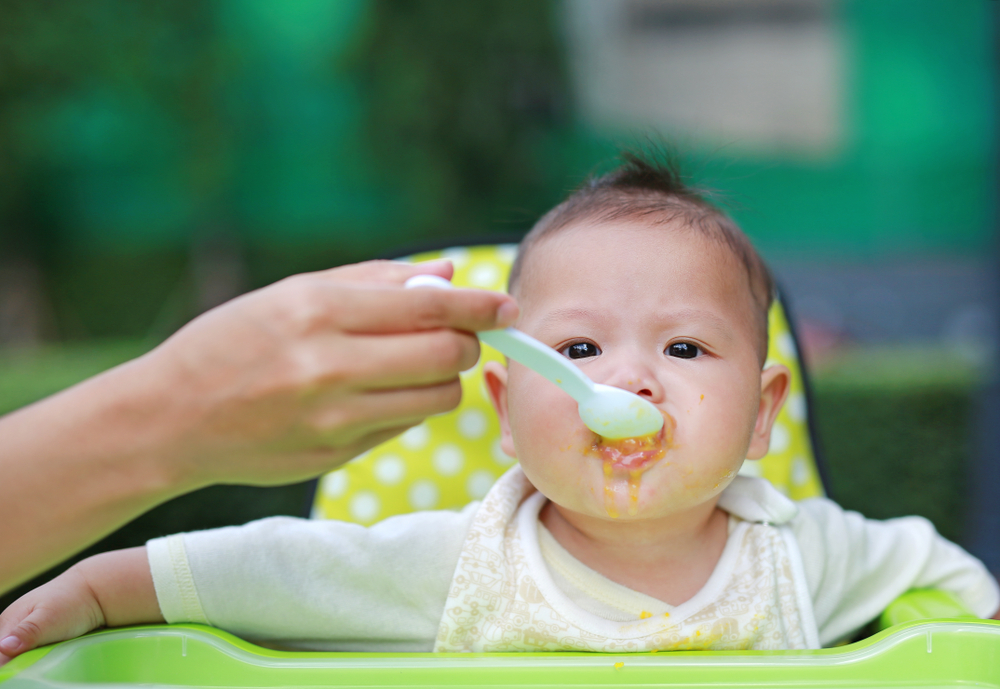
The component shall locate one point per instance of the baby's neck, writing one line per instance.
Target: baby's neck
(669, 559)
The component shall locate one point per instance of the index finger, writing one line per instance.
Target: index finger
(384, 309)
(387, 272)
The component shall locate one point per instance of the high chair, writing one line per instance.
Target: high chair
(454, 458)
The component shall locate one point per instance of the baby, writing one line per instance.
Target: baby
(642, 545)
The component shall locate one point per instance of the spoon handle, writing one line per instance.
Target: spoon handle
(540, 358)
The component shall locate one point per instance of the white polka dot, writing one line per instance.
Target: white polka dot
(458, 256)
(800, 471)
(416, 438)
(785, 345)
(365, 507)
(334, 485)
(448, 459)
(771, 362)
(389, 470)
(499, 456)
(783, 490)
(485, 275)
(472, 424)
(750, 468)
(780, 438)
(796, 406)
(479, 484)
(423, 494)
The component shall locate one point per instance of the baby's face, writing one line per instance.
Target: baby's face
(665, 313)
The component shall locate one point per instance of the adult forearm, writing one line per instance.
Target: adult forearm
(277, 386)
(78, 465)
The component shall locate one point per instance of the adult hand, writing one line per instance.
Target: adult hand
(293, 380)
(276, 386)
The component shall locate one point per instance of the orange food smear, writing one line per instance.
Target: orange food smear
(609, 501)
(634, 477)
(646, 449)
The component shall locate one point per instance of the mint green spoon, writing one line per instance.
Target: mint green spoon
(610, 412)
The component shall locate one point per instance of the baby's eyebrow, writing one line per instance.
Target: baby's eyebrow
(685, 315)
(676, 317)
(681, 317)
(571, 314)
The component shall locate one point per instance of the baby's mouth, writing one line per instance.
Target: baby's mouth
(635, 454)
(625, 461)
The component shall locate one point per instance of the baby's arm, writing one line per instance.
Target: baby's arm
(855, 567)
(107, 590)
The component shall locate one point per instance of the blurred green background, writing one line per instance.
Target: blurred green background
(159, 158)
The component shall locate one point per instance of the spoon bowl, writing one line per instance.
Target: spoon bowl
(614, 413)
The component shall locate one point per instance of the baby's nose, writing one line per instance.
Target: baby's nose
(639, 380)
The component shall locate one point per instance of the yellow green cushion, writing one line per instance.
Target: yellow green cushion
(454, 458)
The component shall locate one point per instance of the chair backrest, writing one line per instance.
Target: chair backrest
(454, 458)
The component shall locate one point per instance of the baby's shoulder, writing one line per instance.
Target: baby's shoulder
(822, 524)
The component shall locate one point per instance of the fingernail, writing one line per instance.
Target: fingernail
(10, 644)
(507, 314)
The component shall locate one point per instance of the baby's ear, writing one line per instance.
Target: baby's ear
(774, 383)
(495, 375)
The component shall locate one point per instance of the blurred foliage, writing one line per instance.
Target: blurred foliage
(468, 111)
(897, 451)
(303, 135)
(896, 443)
(66, 67)
(112, 95)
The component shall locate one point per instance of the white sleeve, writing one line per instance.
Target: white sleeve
(855, 566)
(318, 585)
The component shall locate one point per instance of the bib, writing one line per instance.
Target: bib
(502, 597)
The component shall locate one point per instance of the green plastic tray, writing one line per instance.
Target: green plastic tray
(940, 653)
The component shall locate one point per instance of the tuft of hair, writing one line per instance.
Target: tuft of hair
(651, 189)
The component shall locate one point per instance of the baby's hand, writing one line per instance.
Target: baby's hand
(61, 609)
(111, 589)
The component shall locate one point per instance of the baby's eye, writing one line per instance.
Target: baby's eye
(683, 350)
(580, 350)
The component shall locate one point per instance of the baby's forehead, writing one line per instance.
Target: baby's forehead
(718, 263)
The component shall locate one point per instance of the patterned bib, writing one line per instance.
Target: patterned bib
(502, 597)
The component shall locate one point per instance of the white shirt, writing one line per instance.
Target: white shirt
(327, 585)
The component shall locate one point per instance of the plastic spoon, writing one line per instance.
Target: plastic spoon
(610, 412)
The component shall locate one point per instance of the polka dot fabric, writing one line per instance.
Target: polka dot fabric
(452, 459)
(445, 462)
(789, 464)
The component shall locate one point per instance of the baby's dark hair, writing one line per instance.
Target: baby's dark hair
(651, 189)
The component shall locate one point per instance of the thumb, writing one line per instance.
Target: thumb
(28, 624)
(40, 627)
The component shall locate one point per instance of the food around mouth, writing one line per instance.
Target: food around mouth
(631, 456)
(636, 453)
